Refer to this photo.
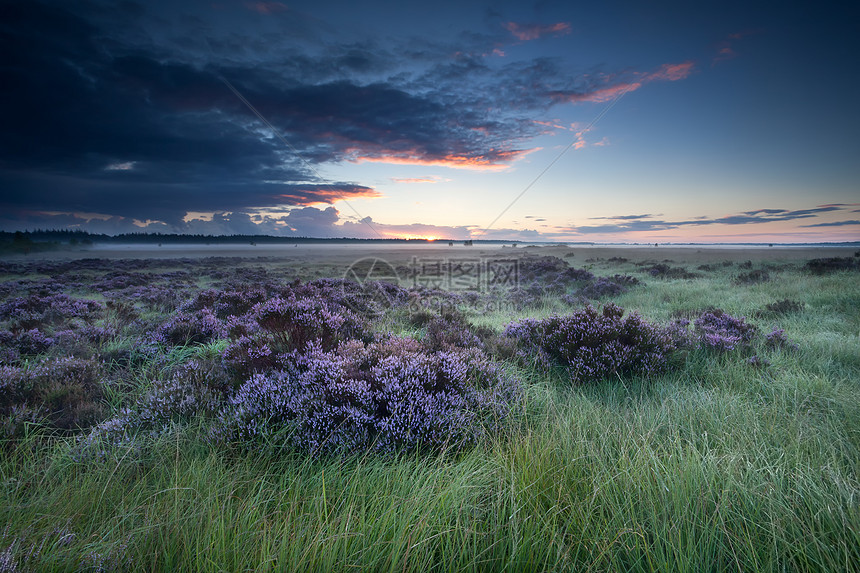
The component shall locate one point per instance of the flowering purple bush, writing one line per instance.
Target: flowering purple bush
(119, 280)
(247, 355)
(35, 310)
(228, 302)
(450, 331)
(723, 332)
(196, 388)
(184, 329)
(592, 345)
(602, 287)
(152, 297)
(293, 323)
(64, 393)
(368, 298)
(391, 395)
(28, 342)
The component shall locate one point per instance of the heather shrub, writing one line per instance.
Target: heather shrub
(293, 323)
(122, 311)
(247, 355)
(602, 287)
(183, 329)
(156, 298)
(195, 389)
(450, 331)
(368, 298)
(592, 345)
(36, 311)
(420, 318)
(227, 302)
(723, 332)
(119, 280)
(390, 395)
(64, 393)
(27, 342)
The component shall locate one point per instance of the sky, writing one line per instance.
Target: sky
(567, 121)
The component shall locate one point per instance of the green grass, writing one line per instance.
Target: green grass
(717, 466)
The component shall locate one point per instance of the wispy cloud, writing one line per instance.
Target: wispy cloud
(625, 217)
(643, 223)
(428, 179)
(526, 32)
(608, 87)
(727, 49)
(834, 224)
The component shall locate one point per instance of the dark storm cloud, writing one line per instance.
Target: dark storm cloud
(94, 124)
(120, 110)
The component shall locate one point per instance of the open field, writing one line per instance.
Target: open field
(237, 409)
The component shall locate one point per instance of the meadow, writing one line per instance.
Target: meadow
(517, 409)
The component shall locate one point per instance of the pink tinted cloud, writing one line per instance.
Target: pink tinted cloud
(666, 72)
(326, 194)
(494, 160)
(671, 72)
(726, 49)
(526, 32)
(266, 7)
(413, 180)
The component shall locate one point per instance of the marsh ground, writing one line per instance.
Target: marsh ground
(720, 464)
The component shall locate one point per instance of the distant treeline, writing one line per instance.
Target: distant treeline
(84, 238)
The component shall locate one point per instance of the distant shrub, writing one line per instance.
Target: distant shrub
(782, 307)
(390, 395)
(776, 339)
(592, 345)
(753, 277)
(156, 298)
(832, 264)
(664, 271)
(119, 280)
(723, 332)
(608, 286)
(757, 361)
(36, 311)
